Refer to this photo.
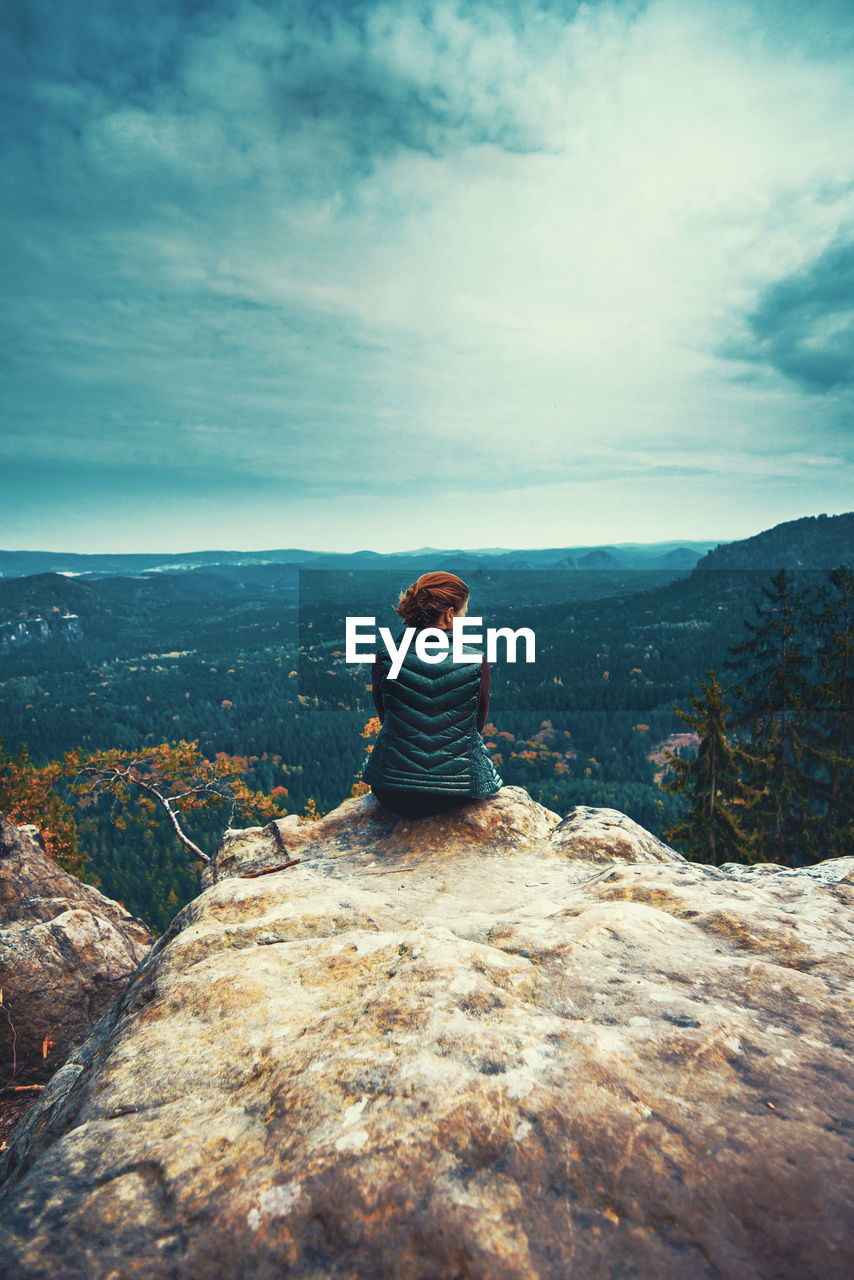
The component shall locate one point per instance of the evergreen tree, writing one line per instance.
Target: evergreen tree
(173, 778)
(775, 698)
(831, 740)
(711, 830)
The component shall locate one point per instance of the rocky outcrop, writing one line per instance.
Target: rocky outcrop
(21, 631)
(66, 951)
(492, 1044)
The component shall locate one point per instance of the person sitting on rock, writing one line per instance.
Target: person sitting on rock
(429, 755)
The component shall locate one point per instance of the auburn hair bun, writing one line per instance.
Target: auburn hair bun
(422, 604)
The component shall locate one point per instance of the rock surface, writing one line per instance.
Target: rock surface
(66, 951)
(492, 1044)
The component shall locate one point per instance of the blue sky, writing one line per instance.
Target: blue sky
(345, 275)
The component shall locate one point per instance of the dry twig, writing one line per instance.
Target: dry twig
(266, 871)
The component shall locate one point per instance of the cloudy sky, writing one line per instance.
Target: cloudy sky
(384, 274)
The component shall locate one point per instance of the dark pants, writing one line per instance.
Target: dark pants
(419, 804)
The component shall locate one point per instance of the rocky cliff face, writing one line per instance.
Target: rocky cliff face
(494, 1045)
(66, 951)
(21, 631)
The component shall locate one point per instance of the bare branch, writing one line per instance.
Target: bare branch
(14, 1043)
(173, 777)
(266, 871)
(170, 813)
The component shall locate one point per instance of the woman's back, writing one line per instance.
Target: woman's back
(429, 739)
(429, 754)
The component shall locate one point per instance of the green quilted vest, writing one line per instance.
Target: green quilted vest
(429, 739)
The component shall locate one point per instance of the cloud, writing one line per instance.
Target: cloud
(345, 245)
(803, 325)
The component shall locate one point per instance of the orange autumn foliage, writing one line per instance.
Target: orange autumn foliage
(28, 795)
(177, 778)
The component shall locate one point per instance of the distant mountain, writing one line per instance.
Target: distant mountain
(659, 555)
(47, 593)
(20, 564)
(210, 601)
(813, 542)
(629, 555)
(132, 615)
(599, 559)
(678, 558)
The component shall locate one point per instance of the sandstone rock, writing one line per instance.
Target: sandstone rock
(363, 829)
(66, 951)
(461, 1047)
(606, 835)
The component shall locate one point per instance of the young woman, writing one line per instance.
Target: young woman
(429, 755)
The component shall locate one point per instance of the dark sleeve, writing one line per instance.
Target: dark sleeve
(483, 697)
(377, 686)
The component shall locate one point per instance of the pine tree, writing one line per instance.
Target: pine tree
(172, 778)
(831, 740)
(711, 831)
(775, 697)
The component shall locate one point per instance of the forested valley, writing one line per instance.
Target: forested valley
(246, 667)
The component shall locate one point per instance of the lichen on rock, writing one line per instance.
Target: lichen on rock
(474, 1045)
